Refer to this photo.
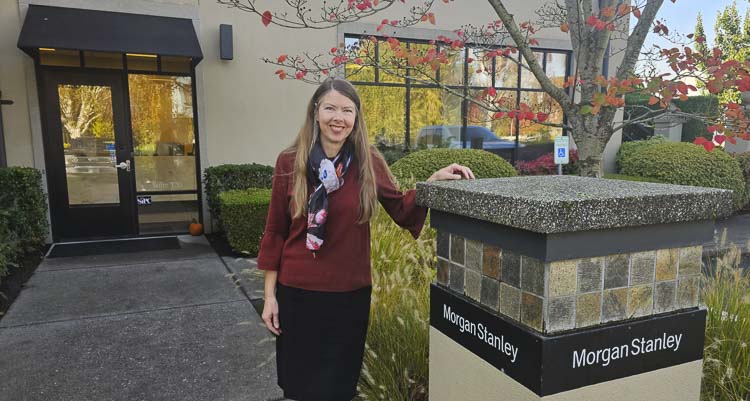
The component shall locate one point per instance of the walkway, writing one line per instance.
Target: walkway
(155, 325)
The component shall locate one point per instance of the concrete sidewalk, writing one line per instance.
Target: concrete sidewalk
(157, 325)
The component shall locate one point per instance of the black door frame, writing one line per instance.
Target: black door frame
(94, 221)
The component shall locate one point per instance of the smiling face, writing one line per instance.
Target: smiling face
(336, 117)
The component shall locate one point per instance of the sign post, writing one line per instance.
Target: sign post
(558, 288)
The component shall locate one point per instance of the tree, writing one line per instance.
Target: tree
(700, 32)
(733, 39)
(588, 99)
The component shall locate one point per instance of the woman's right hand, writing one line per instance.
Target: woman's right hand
(271, 315)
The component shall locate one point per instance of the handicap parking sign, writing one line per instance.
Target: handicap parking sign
(561, 150)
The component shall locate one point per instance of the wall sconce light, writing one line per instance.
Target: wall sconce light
(225, 42)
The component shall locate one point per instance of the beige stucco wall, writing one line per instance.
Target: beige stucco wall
(16, 121)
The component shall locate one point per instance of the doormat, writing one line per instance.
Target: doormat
(108, 247)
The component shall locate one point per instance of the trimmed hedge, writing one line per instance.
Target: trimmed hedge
(744, 160)
(685, 164)
(227, 177)
(627, 149)
(23, 214)
(244, 217)
(421, 164)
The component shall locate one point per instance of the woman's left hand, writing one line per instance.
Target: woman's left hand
(453, 172)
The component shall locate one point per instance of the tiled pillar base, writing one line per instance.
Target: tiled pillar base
(457, 375)
(567, 288)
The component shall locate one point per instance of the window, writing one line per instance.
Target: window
(417, 112)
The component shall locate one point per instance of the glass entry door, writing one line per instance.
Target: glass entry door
(89, 155)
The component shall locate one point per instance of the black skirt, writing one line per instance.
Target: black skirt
(319, 352)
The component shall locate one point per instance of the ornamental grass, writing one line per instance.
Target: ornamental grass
(395, 366)
(726, 364)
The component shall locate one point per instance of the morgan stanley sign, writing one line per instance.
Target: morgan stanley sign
(552, 364)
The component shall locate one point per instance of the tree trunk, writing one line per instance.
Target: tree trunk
(590, 143)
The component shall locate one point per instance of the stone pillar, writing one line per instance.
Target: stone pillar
(567, 288)
(669, 126)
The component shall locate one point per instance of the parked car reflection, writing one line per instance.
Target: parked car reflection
(449, 136)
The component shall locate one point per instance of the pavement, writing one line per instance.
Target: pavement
(158, 325)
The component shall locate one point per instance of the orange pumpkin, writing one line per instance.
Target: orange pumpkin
(195, 228)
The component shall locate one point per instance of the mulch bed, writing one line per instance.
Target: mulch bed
(220, 244)
(11, 285)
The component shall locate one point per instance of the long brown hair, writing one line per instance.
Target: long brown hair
(363, 152)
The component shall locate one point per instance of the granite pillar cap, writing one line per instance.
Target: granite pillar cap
(556, 204)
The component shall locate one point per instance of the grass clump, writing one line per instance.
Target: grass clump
(726, 363)
(395, 365)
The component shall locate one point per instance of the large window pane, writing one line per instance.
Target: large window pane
(162, 119)
(480, 68)
(384, 109)
(424, 73)
(452, 73)
(435, 113)
(528, 80)
(364, 49)
(391, 66)
(537, 138)
(102, 60)
(89, 144)
(556, 67)
(506, 71)
(497, 135)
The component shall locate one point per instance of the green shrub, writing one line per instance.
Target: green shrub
(395, 365)
(244, 217)
(227, 177)
(24, 202)
(8, 246)
(421, 164)
(687, 164)
(627, 149)
(744, 160)
(726, 366)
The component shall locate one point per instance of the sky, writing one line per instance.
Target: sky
(682, 14)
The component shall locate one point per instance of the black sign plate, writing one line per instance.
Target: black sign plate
(511, 348)
(553, 364)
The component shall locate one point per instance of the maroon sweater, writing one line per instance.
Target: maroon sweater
(343, 262)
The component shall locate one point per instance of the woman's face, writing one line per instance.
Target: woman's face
(336, 116)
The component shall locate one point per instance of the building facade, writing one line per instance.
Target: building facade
(122, 104)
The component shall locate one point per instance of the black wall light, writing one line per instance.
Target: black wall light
(225, 42)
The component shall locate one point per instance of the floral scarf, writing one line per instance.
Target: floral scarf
(325, 176)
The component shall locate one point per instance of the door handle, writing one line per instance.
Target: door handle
(124, 165)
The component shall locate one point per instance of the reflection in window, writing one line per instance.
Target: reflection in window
(364, 49)
(435, 116)
(424, 73)
(506, 71)
(556, 66)
(452, 73)
(88, 144)
(531, 132)
(432, 111)
(480, 68)
(163, 138)
(384, 110)
(390, 63)
(528, 80)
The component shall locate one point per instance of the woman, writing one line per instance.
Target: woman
(316, 245)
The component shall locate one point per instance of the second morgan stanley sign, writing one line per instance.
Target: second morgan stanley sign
(552, 364)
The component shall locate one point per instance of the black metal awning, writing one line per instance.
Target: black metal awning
(105, 31)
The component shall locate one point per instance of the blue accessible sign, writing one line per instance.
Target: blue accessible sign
(562, 155)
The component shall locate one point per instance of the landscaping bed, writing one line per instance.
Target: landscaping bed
(11, 285)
